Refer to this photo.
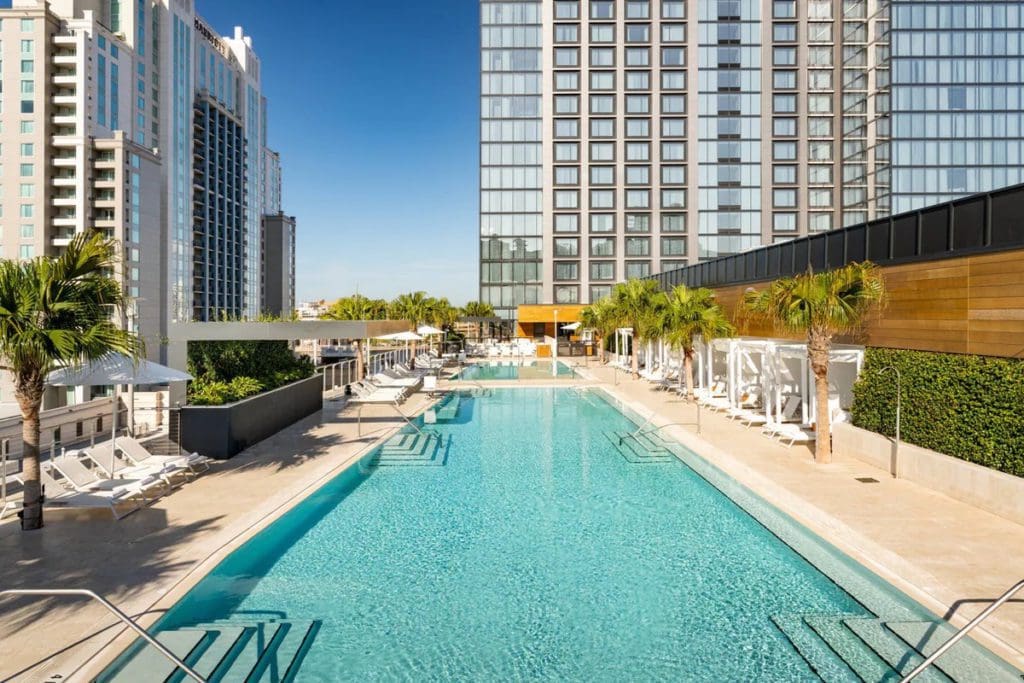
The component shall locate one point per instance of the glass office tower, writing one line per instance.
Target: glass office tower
(670, 131)
(957, 103)
(511, 170)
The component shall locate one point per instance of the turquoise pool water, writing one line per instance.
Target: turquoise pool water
(540, 369)
(536, 552)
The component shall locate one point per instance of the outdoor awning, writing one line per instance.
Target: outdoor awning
(571, 326)
(428, 330)
(115, 368)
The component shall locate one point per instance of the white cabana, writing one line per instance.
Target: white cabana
(795, 377)
(116, 369)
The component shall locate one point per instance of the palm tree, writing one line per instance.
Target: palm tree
(57, 311)
(687, 314)
(358, 307)
(635, 303)
(414, 307)
(821, 305)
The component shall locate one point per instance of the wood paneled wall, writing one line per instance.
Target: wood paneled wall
(973, 304)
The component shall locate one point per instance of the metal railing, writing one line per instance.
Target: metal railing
(422, 432)
(337, 375)
(967, 628)
(117, 613)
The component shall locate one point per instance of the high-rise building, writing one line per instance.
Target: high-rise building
(957, 102)
(671, 131)
(135, 118)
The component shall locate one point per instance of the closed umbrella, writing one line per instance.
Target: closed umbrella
(116, 369)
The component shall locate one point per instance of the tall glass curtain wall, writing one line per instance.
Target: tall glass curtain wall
(510, 155)
(957, 102)
(730, 130)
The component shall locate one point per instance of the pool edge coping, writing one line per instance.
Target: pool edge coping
(123, 638)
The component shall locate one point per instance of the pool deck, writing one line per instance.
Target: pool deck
(145, 562)
(941, 552)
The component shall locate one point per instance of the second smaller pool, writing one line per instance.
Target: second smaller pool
(537, 369)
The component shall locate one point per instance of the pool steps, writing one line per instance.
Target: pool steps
(640, 449)
(224, 652)
(413, 449)
(842, 648)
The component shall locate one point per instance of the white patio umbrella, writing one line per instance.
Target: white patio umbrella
(571, 327)
(116, 369)
(429, 331)
(407, 337)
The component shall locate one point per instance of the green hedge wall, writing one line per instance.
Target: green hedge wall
(969, 407)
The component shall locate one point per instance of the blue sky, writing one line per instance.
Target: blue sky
(373, 107)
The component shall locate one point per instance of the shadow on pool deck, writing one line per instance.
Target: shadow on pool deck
(136, 561)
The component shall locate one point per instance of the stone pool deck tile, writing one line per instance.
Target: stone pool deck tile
(146, 561)
(949, 556)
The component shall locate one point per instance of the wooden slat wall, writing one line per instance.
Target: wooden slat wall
(973, 304)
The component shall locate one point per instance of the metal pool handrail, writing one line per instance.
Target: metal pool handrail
(967, 628)
(117, 613)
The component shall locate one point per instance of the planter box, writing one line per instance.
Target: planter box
(982, 487)
(224, 431)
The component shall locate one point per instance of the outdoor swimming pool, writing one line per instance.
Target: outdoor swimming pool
(524, 543)
(539, 369)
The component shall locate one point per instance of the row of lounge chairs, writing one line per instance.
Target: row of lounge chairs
(121, 480)
(392, 385)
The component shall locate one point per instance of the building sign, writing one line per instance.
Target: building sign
(212, 37)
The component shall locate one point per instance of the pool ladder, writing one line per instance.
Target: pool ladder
(124, 618)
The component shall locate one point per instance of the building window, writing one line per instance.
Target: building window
(820, 222)
(567, 175)
(28, 231)
(567, 104)
(637, 104)
(784, 151)
(567, 151)
(673, 56)
(638, 56)
(28, 25)
(27, 190)
(820, 197)
(567, 270)
(602, 246)
(27, 170)
(638, 33)
(638, 222)
(567, 56)
(567, 10)
(28, 211)
(784, 222)
(673, 151)
(638, 175)
(673, 9)
(567, 80)
(638, 80)
(638, 246)
(602, 9)
(567, 246)
(602, 270)
(567, 294)
(673, 128)
(673, 175)
(602, 33)
(638, 128)
(673, 104)
(602, 80)
(27, 149)
(567, 199)
(602, 175)
(673, 222)
(567, 128)
(602, 151)
(637, 269)
(819, 174)
(602, 56)
(783, 175)
(673, 199)
(602, 128)
(602, 199)
(28, 127)
(602, 222)
(783, 198)
(567, 222)
(567, 33)
(26, 251)
(673, 33)
(673, 80)
(673, 246)
(638, 199)
(638, 151)
(598, 292)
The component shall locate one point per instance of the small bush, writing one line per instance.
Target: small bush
(232, 370)
(969, 407)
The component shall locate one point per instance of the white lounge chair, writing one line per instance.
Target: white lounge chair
(366, 389)
(59, 497)
(384, 380)
(105, 459)
(792, 434)
(84, 480)
(140, 456)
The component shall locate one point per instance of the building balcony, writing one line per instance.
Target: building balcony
(65, 161)
(66, 59)
(65, 181)
(107, 222)
(65, 221)
(65, 40)
(65, 79)
(65, 201)
(64, 119)
(64, 139)
(105, 182)
(65, 99)
(105, 202)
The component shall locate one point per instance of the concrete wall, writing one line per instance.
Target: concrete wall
(224, 431)
(999, 493)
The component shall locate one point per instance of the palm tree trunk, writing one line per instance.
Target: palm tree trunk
(359, 360)
(688, 369)
(819, 346)
(30, 397)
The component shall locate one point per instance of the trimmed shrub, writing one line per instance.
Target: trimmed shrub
(968, 407)
(228, 371)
